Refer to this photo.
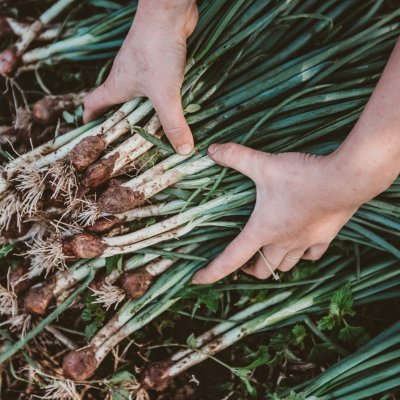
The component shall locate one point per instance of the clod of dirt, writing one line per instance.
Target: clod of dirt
(80, 365)
(9, 61)
(156, 376)
(38, 298)
(118, 199)
(87, 151)
(105, 224)
(99, 172)
(83, 245)
(135, 284)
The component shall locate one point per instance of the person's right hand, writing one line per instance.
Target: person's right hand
(151, 64)
(302, 202)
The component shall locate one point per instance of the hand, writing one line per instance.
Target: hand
(302, 203)
(151, 64)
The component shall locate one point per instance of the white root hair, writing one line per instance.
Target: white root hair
(10, 206)
(108, 296)
(8, 298)
(63, 228)
(64, 182)
(4, 184)
(46, 255)
(19, 323)
(61, 390)
(29, 183)
(8, 302)
(88, 212)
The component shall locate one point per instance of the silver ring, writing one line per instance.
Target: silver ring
(293, 257)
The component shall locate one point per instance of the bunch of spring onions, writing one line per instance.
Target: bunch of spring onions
(304, 97)
(372, 370)
(377, 280)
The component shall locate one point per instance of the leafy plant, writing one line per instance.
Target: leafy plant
(93, 314)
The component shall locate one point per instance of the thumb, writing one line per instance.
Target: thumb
(97, 102)
(237, 253)
(247, 161)
(170, 112)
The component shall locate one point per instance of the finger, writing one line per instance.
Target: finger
(315, 252)
(247, 161)
(170, 112)
(98, 102)
(238, 252)
(290, 260)
(269, 257)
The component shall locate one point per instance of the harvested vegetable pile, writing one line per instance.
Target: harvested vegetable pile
(103, 225)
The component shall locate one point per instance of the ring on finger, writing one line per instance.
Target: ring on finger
(292, 257)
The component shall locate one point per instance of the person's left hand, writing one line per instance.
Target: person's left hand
(302, 203)
(151, 64)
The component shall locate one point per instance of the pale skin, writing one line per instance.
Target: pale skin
(302, 200)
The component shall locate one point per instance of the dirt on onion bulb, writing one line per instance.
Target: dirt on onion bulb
(39, 297)
(49, 109)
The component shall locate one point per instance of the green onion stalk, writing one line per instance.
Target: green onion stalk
(372, 370)
(49, 166)
(378, 280)
(10, 58)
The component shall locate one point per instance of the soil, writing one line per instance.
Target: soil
(83, 245)
(118, 199)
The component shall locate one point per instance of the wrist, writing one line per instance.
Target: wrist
(363, 173)
(169, 14)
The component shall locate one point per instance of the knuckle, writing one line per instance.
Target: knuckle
(174, 131)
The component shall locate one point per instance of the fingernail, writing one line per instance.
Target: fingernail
(212, 149)
(185, 149)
